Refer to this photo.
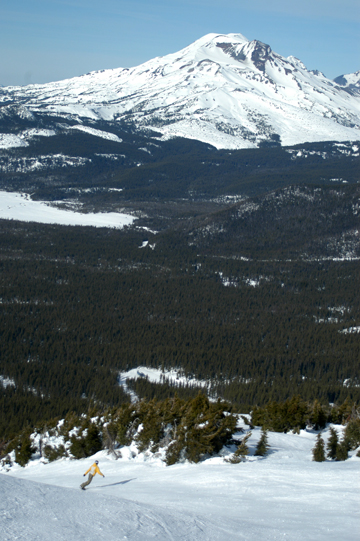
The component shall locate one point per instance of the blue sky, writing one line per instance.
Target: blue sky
(49, 40)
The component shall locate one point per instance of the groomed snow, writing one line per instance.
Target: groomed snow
(18, 206)
(282, 496)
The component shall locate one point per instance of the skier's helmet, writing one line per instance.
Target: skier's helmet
(96, 462)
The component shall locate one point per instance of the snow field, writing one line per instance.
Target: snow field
(17, 206)
(284, 495)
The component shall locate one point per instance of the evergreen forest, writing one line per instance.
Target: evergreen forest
(256, 294)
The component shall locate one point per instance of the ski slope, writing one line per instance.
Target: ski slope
(282, 496)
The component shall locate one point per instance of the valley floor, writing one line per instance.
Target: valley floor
(282, 496)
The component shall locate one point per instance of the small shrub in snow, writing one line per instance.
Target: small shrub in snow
(241, 452)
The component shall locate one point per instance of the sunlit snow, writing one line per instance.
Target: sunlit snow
(284, 495)
(17, 206)
(222, 89)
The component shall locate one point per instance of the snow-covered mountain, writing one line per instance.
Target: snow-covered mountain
(223, 89)
(350, 82)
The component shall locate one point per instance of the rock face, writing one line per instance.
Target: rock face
(222, 89)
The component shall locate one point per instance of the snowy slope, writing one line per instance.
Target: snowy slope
(19, 206)
(350, 81)
(222, 89)
(282, 496)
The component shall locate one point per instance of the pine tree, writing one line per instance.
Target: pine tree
(332, 444)
(24, 450)
(352, 433)
(241, 452)
(319, 450)
(262, 445)
(342, 451)
(318, 416)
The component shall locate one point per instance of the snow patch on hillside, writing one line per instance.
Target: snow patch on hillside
(19, 206)
(8, 140)
(6, 382)
(97, 133)
(351, 330)
(156, 375)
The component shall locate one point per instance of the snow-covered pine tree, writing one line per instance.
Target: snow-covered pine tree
(262, 447)
(319, 450)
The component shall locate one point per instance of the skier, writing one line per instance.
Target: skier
(93, 470)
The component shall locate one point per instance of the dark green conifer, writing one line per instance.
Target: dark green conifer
(352, 433)
(318, 416)
(319, 450)
(342, 451)
(53, 453)
(93, 441)
(332, 444)
(24, 450)
(262, 447)
(87, 445)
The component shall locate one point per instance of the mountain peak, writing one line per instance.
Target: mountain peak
(222, 89)
(349, 82)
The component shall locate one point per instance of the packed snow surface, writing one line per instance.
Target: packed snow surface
(284, 495)
(18, 206)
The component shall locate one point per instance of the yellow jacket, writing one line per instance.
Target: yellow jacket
(94, 469)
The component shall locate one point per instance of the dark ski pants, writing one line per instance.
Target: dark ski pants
(88, 481)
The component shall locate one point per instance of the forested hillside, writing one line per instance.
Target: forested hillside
(234, 298)
(241, 269)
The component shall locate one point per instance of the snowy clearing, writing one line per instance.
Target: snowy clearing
(156, 375)
(282, 496)
(19, 206)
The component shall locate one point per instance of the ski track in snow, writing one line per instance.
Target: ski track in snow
(282, 496)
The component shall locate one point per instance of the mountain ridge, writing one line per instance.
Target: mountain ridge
(222, 89)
